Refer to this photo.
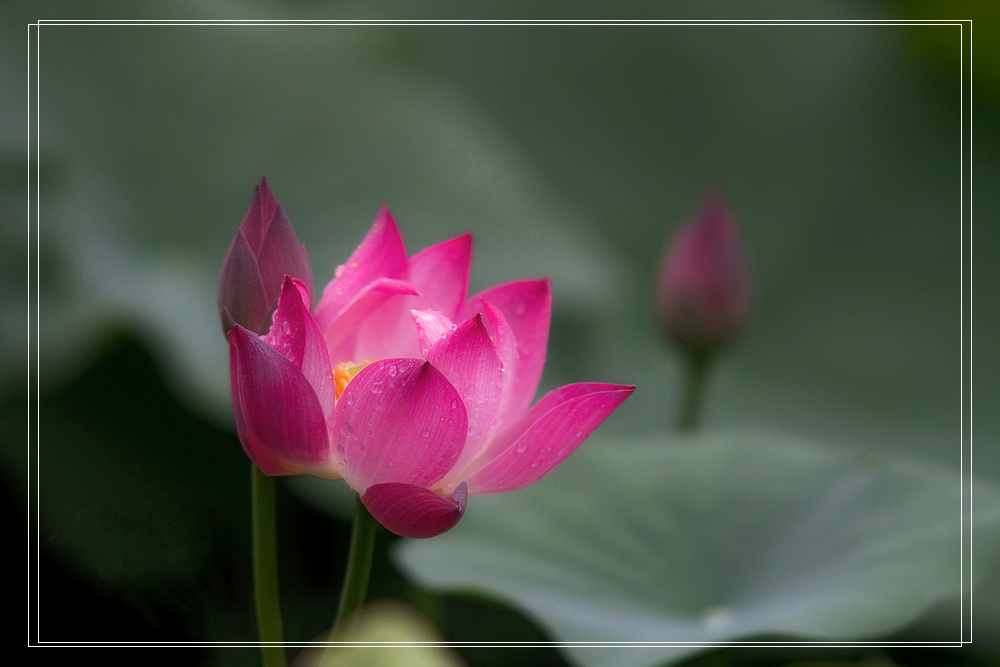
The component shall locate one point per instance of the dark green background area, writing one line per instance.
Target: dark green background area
(568, 151)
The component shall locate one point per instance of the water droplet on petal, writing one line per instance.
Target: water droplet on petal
(392, 371)
(521, 447)
(339, 271)
(426, 434)
(340, 449)
(375, 387)
(286, 326)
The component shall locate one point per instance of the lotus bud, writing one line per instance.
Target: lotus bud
(264, 251)
(704, 292)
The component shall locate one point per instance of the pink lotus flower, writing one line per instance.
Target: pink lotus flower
(263, 251)
(703, 296)
(415, 395)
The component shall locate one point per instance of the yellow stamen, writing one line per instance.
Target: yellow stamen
(343, 373)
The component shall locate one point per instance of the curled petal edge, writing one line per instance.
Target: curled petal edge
(415, 511)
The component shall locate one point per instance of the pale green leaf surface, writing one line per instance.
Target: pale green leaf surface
(719, 538)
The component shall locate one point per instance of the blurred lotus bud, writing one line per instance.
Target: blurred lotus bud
(264, 251)
(703, 295)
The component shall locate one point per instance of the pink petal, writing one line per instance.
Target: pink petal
(297, 337)
(241, 295)
(441, 276)
(466, 356)
(431, 326)
(527, 307)
(506, 347)
(414, 511)
(279, 408)
(380, 255)
(258, 216)
(547, 434)
(357, 333)
(281, 254)
(399, 420)
(268, 464)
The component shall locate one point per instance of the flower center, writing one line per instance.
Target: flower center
(343, 373)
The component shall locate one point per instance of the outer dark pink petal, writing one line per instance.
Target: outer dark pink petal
(241, 294)
(380, 255)
(281, 254)
(413, 511)
(278, 405)
(296, 336)
(527, 307)
(466, 356)
(259, 214)
(268, 464)
(547, 434)
(399, 420)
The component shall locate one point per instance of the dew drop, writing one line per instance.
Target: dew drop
(392, 371)
(522, 447)
(426, 434)
(347, 428)
(286, 326)
(339, 271)
(375, 387)
(340, 449)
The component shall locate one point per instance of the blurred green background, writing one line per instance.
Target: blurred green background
(568, 151)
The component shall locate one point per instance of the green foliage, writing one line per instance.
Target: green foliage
(716, 538)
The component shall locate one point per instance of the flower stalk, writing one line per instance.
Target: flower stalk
(359, 565)
(691, 409)
(265, 571)
(703, 298)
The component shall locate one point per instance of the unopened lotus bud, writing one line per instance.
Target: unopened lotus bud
(704, 291)
(264, 251)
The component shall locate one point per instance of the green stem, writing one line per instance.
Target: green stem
(359, 566)
(265, 570)
(694, 392)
